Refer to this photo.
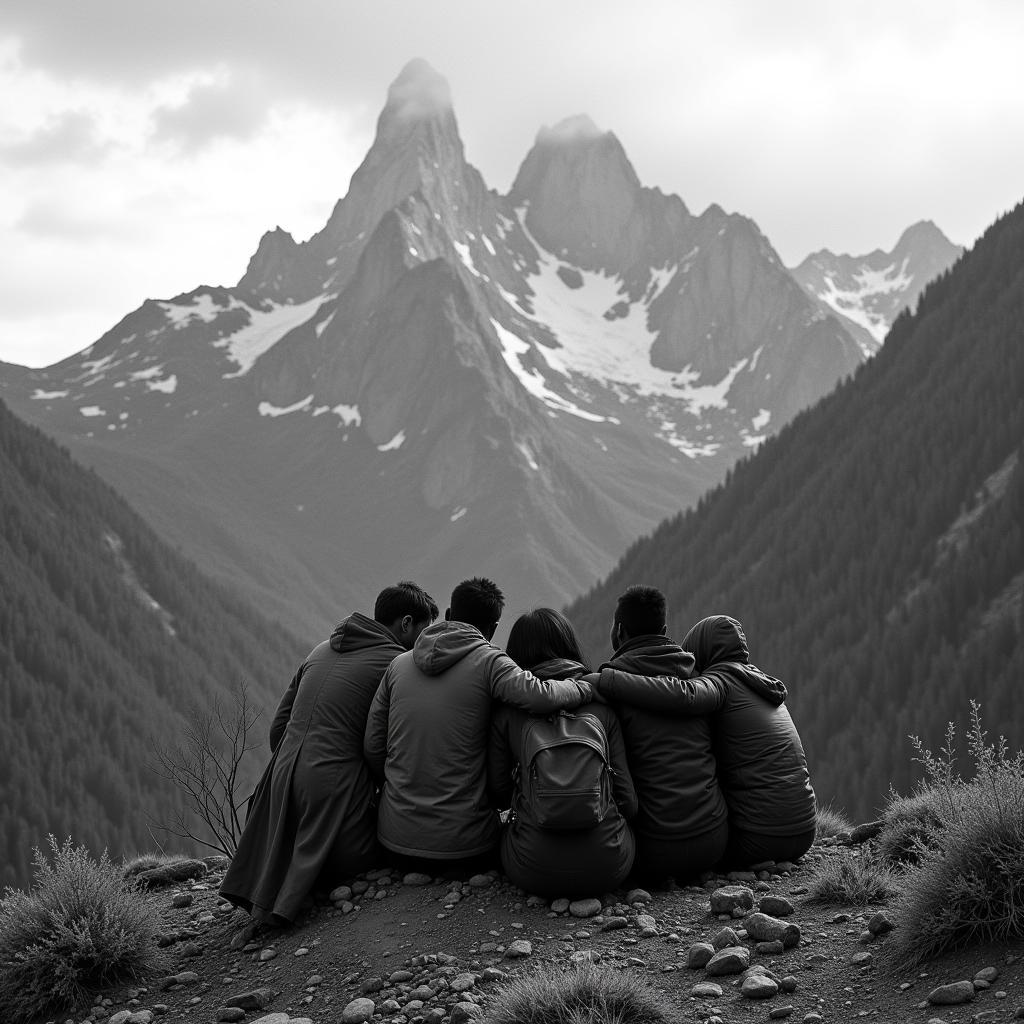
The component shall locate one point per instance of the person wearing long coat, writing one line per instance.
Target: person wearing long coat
(543, 861)
(312, 818)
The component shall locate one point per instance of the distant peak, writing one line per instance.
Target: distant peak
(578, 128)
(419, 92)
(923, 231)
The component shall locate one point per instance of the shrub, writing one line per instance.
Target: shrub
(968, 883)
(910, 824)
(81, 928)
(579, 995)
(829, 822)
(850, 879)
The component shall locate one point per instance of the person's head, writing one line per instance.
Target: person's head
(714, 639)
(406, 610)
(479, 603)
(639, 612)
(542, 635)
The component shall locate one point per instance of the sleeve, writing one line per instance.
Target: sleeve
(702, 695)
(514, 685)
(375, 738)
(501, 761)
(623, 789)
(284, 710)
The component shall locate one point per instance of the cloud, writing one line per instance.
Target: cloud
(236, 108)
(67, 137)
(59, 219)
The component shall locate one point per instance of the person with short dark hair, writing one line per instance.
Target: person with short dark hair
(682, 823)
(428, 727)
(312, 818)
(551, 861)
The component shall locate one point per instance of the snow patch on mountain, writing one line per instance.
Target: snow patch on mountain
(854, 303)
(203, 307)
(394, 444)
(266, 409)
(264, 330)
(40, 395)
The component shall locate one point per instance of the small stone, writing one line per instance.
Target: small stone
(273, 1018)
(313, 980)
(585, 908)
(647, 925)
(518, 949)
(302, 951)
(952, 995)
(358, 1011)
(989, 974)
(774, 947)
(372, 985)
(706, 990)
(699, 954)
(763, 928)
(465, 1013)
(759, 986)
(788, 984)
(397, 977)
(230, 1014)
(861, 959)
(731, 960)
(780, 1012)
(493, 974)
(183, 899)
(612, 924)
(120, 1017)
(267, 954)
(775, 906)
(731, 897)
(879, 924)
(862, 833)
(422, 993)
(256, 999)
(340, 894)
(638, 896)
(481, 881)
(462, 982)
(725, 937)
(560, 906)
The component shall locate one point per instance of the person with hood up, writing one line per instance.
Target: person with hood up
(761, 762)
(682, 824)
(312, 818)
(551, 861)
(428, 728)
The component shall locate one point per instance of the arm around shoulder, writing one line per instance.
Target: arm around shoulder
(513, 685)
(702, 695)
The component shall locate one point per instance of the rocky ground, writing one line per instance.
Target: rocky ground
(417, 950)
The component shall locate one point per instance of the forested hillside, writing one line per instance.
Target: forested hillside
(107, 638)
(873, 549)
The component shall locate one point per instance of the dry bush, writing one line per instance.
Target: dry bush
(849, 880)
(82, 928)
(829, 822)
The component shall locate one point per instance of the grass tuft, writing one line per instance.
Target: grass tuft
(850, 880)
(583, 994)
(829, 822)
(968, 883)
(81, 928)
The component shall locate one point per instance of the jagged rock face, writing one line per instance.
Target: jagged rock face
(444, 381)
(869, 292)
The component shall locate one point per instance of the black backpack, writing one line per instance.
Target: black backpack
(564, 779)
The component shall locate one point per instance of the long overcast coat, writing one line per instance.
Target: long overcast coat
(312, 818)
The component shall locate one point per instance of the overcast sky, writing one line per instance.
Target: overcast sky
(145, 147)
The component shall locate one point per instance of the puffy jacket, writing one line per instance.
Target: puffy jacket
(761, 762)
(664, 720)
(426, 739)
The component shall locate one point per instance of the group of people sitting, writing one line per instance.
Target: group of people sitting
(420, 742)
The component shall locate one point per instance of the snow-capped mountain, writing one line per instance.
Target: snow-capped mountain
(444, 381)
(869, 292)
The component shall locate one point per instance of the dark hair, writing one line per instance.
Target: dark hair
(404, 598)
(641, 611)
(477, 601)
(541, 635)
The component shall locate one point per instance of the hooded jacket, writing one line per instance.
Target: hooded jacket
(426, 739)
(312, 811)
(761, 762)
(670, 754)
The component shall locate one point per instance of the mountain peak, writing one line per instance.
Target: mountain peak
(418, 93)
(577, 128)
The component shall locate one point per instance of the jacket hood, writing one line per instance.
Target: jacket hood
(653, 655)
(717, 638)
(718, 643)
(358, 632)
(444, 644)
(558, 668)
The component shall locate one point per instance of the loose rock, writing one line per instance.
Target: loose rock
(358, 1011)
(952, 995)
(730, 960)
(731, 897)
